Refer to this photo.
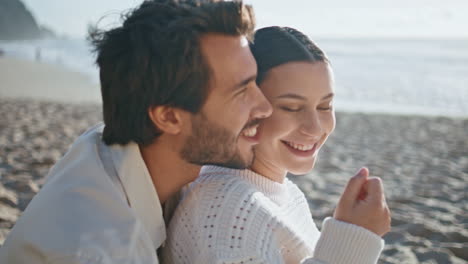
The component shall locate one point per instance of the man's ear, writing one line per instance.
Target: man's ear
(166, 118)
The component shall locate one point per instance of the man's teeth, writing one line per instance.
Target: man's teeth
(250, 132)
(300, 146)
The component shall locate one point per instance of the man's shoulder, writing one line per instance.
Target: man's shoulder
(61, 223)
(81, 156)
(70, 208)
(64, 221)
(88, 137)
(79, 200)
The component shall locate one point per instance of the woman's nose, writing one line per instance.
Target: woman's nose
(312, 127)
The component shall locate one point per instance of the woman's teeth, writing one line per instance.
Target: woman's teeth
(300, 146)
(250, 132)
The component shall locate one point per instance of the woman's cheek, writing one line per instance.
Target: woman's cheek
(332, 122)
(280, 125)
(328, 122)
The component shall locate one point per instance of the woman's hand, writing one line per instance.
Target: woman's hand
(363, 203)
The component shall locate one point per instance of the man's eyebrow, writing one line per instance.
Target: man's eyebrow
(245, 82)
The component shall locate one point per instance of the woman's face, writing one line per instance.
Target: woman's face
(301, 94)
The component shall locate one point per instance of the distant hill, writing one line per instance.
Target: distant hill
(17, 23)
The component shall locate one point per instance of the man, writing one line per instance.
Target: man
(178, 89)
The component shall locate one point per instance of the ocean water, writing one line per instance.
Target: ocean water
(417, 76)
(427, 77)
(74, 54)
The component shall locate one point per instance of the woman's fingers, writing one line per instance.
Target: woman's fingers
(354, 187)
(363, 203)
(375, 190)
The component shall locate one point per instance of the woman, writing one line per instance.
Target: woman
(258, 215)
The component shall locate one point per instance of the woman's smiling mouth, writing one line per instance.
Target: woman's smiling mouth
(301, 149)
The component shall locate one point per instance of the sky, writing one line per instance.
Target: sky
(330, 18)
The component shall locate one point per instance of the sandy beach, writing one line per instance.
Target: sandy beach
(423, 162)
(37, 80)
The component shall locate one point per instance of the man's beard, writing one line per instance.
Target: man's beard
(211, 144)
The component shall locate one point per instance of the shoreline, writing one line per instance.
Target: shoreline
(436, 88)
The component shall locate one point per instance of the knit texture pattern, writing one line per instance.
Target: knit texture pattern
(238, 216)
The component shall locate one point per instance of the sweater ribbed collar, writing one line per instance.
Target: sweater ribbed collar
(277, 192)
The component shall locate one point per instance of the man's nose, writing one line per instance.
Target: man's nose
(263, 108)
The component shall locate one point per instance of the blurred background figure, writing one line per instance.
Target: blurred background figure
(401, 71)
(38, 54)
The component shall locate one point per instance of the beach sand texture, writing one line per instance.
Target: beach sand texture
(423, 162)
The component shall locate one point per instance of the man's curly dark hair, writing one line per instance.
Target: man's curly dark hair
(154, 59)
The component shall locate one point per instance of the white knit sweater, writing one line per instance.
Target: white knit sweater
(238, 216)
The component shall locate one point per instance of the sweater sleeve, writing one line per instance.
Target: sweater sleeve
(354, 245)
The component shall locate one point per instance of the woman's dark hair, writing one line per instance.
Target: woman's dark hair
(273, 46)
(154, 59)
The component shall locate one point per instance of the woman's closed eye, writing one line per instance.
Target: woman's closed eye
(291, 108)
(325, 107)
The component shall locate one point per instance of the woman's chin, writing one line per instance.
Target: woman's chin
(301, 170)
